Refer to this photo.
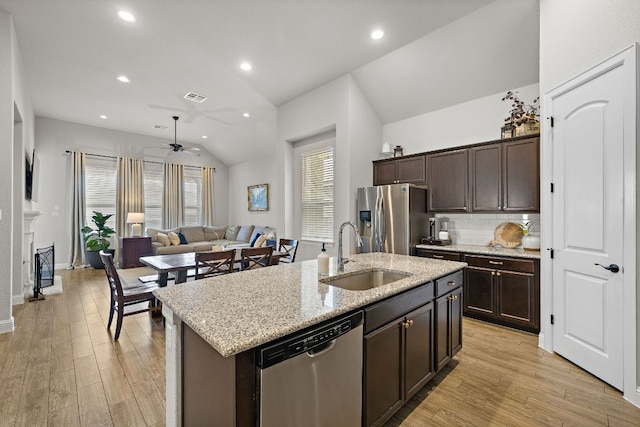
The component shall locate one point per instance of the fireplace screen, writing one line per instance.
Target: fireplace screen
(44, 269)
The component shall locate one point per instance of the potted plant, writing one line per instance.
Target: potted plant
(523, 119)
(97, 239)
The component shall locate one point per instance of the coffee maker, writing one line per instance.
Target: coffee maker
(438, 232)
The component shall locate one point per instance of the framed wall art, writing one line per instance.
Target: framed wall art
(258, 197)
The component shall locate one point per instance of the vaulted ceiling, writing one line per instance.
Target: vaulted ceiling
(435, 53)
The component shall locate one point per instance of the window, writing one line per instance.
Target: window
(317, 195)
(192, 195)
(100, 188)
(153, 195)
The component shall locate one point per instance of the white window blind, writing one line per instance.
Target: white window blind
(100, 188)
(153, 195)
(317, 195)
(192, 195)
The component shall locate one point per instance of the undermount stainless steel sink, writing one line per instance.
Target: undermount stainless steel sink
(364, 280)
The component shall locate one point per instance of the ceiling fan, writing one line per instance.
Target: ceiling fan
(179, 148)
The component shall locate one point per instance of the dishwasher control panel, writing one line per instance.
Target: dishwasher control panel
(305, 341)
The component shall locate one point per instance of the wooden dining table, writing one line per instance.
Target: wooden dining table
(180, 264)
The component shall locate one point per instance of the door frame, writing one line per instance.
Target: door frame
(628, 60)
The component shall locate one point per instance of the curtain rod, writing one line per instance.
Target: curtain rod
(144, 161)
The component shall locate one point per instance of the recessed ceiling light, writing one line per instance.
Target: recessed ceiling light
(204, 137)
(123, 79)
(126, 16)
(102, 116)
(246, 66)
(246, 115)
(377, 34)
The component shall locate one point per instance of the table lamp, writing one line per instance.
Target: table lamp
(135, 219)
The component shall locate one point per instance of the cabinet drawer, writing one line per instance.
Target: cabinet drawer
(396, 306)
(449, 256)
(513, 264)
(448, 283)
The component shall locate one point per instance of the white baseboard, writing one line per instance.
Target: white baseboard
(6, 325)
(17, 299)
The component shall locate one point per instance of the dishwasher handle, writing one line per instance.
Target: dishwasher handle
(322, 349)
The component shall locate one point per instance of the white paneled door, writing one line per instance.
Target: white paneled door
(588, 221)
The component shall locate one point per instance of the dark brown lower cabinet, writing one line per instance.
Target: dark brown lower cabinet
(398, 362)
(503, 291)
(448, 331)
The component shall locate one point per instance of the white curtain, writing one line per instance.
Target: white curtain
(77, 252)
(208, 214)
(129, 194)
(173, 196)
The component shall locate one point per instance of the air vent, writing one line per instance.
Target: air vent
(160, 127)
(195, 97)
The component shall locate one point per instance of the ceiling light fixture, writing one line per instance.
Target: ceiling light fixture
(102, 116)
(246, 66)
(377, 34)
(204, 137)
(123, 79)
(246, 115)
(126, 16)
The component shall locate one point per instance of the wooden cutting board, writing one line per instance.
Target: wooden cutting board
(507, 235)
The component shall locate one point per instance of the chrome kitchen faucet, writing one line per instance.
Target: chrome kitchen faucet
(341, 259)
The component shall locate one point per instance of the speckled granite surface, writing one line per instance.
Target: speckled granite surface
(483, 250)
(240, 311)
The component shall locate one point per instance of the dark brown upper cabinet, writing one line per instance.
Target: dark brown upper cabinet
(448, 181)
(505, 176)
(521, 175)
(401, 170)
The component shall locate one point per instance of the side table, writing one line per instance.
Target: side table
(132, 248)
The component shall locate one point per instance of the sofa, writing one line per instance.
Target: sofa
(197, 238)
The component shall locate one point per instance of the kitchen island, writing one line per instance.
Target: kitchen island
(231, 315)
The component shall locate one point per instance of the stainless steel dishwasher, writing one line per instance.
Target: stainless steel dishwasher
(314, 378)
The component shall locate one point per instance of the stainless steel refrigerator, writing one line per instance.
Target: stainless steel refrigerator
(392, 218)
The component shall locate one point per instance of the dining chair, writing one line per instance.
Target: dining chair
(214, 263)
(290, 247)
(255, 257)
(125, 294)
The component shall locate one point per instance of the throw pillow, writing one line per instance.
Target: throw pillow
(272, 243)
(254, 239)
(173, 237)
(163, 238)
(232, 232)
(183, 240)
(244, 234)
(259, 241)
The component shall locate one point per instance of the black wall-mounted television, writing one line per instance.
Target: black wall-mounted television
(31, 177)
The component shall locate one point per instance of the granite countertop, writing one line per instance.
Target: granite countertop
(484, 250)
(239, 311)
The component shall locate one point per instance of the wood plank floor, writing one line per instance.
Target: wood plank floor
(61, 368)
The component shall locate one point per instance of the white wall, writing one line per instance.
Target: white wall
(54, 137)
(262, 171)
(14, 97)
(337, 105)
(575, 35)
(471, 122)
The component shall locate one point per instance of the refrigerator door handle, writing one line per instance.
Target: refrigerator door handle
(380, 222)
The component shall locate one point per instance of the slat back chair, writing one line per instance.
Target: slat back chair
(124, 294)
(289, 246)
(256, 257)
(214, 263)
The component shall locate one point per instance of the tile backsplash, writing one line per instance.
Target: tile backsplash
(477, 229)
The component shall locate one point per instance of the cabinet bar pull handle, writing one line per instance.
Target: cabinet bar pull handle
(451, 283)
(495, 262)
(438, 256)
